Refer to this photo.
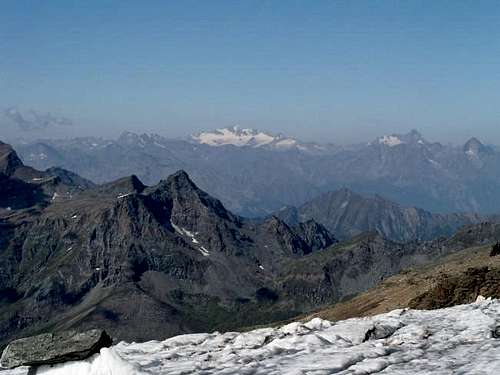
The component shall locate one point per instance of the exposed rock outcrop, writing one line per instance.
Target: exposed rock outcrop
(52, 348)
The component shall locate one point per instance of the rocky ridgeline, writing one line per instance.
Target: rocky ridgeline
(150, 262)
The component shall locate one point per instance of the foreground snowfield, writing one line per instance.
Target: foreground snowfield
(458, 340)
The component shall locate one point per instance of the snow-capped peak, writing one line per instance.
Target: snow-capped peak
(244, 137)
(413, 137)
(390, 140)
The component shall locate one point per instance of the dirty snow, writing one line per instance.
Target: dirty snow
(458, 340)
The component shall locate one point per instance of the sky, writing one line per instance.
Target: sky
(333, 71)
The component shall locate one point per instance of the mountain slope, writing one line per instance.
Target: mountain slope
(185, 261)
(455, 279)
(348, 214)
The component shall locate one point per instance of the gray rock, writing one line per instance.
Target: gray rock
(381, 331)
(51, 348)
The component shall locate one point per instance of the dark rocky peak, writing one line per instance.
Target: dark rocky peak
(9, 161)
(288, 240)
(276, 225)
(180, 180)
(121, 188)
(315, 235)
(188, 201)
(200, 219)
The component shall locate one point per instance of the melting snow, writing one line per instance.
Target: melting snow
(457, 340)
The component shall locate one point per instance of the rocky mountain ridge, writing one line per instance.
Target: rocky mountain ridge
(148, 262)
(347, 214)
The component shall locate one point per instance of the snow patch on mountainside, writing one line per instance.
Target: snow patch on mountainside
(462, 339)
(192, 236)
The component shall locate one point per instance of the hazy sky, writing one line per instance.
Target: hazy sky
(339, 71)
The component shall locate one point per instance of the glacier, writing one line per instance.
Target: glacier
(463, 339)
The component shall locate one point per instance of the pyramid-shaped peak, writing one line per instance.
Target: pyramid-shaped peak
(473, 142)
(180, 178)
(474, 147)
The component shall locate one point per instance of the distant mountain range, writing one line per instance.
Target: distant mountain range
(151, 262)
(348, 214)
(253, 174)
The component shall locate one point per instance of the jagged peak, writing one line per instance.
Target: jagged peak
(180, 178)
(181, 189)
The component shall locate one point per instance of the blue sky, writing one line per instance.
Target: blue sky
(339, 71)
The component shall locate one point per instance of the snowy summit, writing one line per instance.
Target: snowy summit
(458, 340)
(245, 137)
(413, 137)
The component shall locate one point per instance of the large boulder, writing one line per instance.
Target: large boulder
(51, 348)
